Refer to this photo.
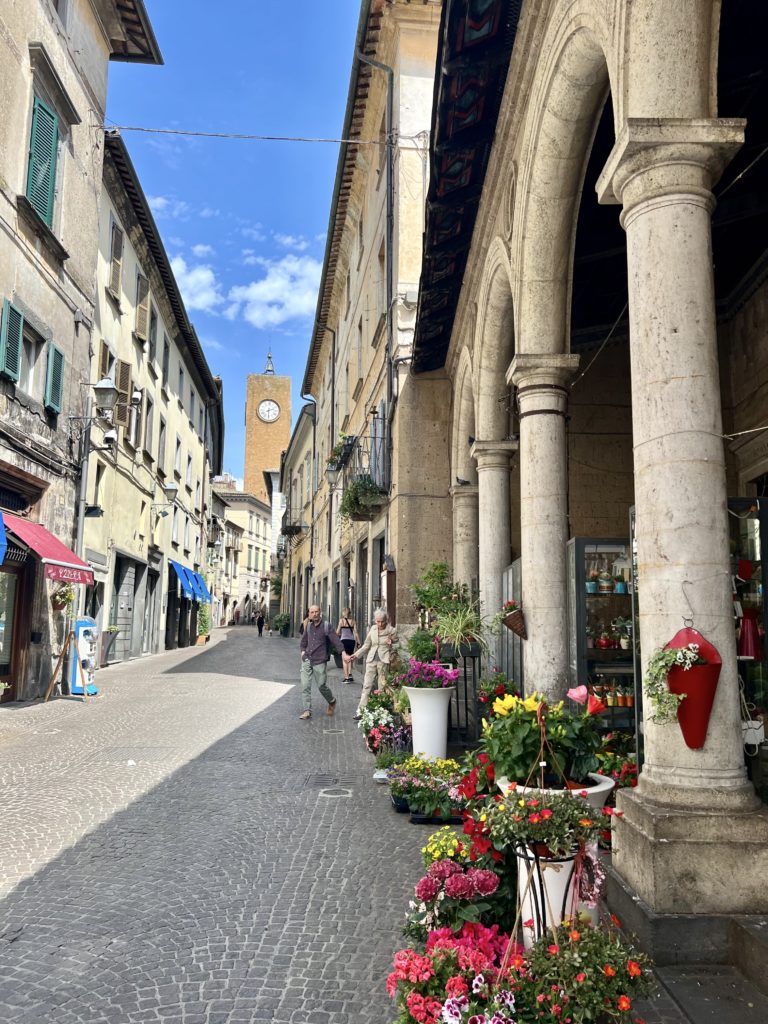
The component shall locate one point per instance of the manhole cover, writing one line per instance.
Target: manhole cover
(333, 732)
(336, 791)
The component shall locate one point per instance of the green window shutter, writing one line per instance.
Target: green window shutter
(54, 380)
(11, 339)
(41, 176)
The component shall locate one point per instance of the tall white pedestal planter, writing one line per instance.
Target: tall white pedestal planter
(545, 891)
(429, 719)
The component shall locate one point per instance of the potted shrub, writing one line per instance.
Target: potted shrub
(281, 623)
(421, 645)
(108, 640)
(203, 625)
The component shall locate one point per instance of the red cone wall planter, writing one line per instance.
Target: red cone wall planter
(699, 684)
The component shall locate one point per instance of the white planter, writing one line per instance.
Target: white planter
(429, 710)
(596, 796)
(381, 775)
(545, 892)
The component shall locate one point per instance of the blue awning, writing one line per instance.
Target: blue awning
(4, 542)
(204, 591)
(184, 580)
(194, 582)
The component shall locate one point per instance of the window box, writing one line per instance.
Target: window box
(37, 225)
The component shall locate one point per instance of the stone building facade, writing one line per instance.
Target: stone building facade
(255, 519)
(152, 483)
(296, 550)
(601, 317)
(357, 366)
(267, 427)
(55, 57)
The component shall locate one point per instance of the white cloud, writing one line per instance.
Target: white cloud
(254, 232)
(198, 285)
(212, 344)
(207, 212)
(287, 291)
(167, 206)
(297, 242)
(202, 250)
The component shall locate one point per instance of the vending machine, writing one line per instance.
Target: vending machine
(87, 637)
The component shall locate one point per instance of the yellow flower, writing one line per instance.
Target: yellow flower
(503, 705)
(531, 704)
(500, 807)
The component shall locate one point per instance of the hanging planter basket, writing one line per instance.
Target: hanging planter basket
(698, 683)
(514, 620)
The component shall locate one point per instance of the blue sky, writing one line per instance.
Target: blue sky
(244, 222)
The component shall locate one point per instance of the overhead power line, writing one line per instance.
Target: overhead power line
(253, 138)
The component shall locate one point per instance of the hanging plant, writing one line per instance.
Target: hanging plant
(681, 680)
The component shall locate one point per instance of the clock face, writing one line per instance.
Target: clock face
(269, 410)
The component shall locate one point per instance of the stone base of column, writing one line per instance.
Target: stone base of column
(685, 861)
(690, 938)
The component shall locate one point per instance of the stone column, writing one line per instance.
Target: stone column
(494, 542)
(465, 533)
(697, 803)
(541, 382)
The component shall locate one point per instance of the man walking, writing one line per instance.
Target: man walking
(314, 660)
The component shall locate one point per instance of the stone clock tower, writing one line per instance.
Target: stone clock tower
(267, 426)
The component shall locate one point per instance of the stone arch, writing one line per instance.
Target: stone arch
(572, 88)
(462, 464)
(494, 345)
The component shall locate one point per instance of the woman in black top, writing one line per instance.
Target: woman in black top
(347, 632)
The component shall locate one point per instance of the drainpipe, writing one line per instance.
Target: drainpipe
(309, 398)
(333, 413)
(390, 232)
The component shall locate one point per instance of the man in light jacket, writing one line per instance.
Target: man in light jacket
(377, 650)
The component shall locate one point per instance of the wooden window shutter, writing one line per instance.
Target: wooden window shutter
(116, 260)
(103, 360)
(123, 385)
(41, 175)
(142, 307)
(11, 338)
(54, 380)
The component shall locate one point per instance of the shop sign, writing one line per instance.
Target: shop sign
(68, 574)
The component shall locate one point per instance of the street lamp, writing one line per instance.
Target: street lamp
(170, 490)
(106, 394)
(332, 475)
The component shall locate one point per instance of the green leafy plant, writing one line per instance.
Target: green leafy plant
(388, 758)
(281, 622)
(512, 740)
(664, 703)
(63, 594)
(362, 495)
(338, 450)
(276, 584)
(421, 645)
(204, 620)
(461, 625)
(436, 589)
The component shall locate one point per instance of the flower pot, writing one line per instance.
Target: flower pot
(59, 606)
(630, 700)
(429, 708)
(400, 804)
(597, 792)
(546, 890)
(515, 621)
(591, 586)
(699, 684)
(620, 588)
(624, 643)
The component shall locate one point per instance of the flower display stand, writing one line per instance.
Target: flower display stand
(429, 708)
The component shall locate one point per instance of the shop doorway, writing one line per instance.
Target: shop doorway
(10, 593)
(150, 613)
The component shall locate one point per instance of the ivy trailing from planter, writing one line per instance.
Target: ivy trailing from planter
(362, 496)
(665, 703)
(681, 680)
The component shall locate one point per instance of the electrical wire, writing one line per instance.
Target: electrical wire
(262, 138)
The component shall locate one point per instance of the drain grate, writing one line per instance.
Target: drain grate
(324, 780)
(333, 732)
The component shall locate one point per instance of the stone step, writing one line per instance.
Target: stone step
(748, 941)
(712, 994)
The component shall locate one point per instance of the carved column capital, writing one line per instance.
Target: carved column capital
(493, 454)
(654, 159)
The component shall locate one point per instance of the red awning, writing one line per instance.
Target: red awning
(60, 563)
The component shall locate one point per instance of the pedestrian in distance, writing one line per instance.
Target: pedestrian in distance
(378, 649)
(260, 621)
(316, 642)
(347, 630)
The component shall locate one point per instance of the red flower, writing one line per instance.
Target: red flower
(633, 967)
(580, 976)
(594, 705)
(624, 1003)
(528, 923)
(546, 813)
(534, 819)
(574, 936)
(609, 971)
(615, 921)
(553, 949)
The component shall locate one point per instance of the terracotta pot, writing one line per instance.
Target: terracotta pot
(699, 684)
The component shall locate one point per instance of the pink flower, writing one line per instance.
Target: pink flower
(442, 869)
(459, 887)
(578, 694)
(485, 882)
(426, 889)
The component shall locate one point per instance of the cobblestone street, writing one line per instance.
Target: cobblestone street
(169, 851)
